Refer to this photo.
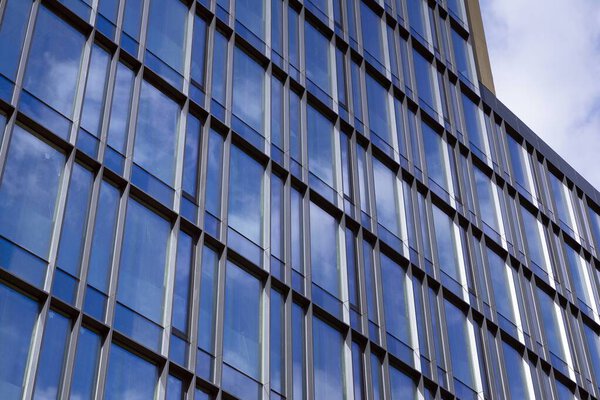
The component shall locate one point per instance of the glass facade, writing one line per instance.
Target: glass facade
(267, 199)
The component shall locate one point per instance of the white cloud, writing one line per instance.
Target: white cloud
(545, 57)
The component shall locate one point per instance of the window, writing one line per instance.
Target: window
(251, 13)
(593, 347)
(516, 372)
(519, 164)
(166, 38)
(52, 356)
(175, 389)
(242, 323)
(457, 8)
(363, 182)
(298, 352)
(219, 71)
(403, 387)
(371, 35)
(245, 195)
(583, 282)
(446, 246)
(595, 227)
(214, 175)
(297, 238)
(277, 341)
(433, 146)
(425, 79)
(95, 90)
(142, 273)
(156, 133)
(501, 275)
(328, 363)
(320, 146)
(12, 34)
(386, 199)
(533, 231)
(85, 370)
(53, 70)
(378, 109)
(277, 226)
(29, 190)
(460, 346)
(550, 317)
(277, 128)
(317, 59)
(485, 195)
(324, 256)
(474, 125)
(277, 35)
(121, 108)
(463, 57)
(376, 377)
(132, 22)
(393, 279)
(357, 372)
(293, 41)
(73, 229)
(18, 315)
(191, 156)
(563, 205)
(248, 92)
(129, 376)
(181, 295)
(370, 274)
(207, 311)
(198, 69)
(102, 250)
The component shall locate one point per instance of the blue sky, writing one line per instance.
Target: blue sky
(545, 57)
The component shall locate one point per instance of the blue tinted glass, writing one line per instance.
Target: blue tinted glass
(143, 259)
(403, 387)
(534, 241)
(251, 13)
(297, 231)
(593, 346)
(245, 195)
(473, 124)
(214, 173)
(323, 250)
(379, 117)
(277, 217)
(121, 106)
(423, 77)
(166, 31)
(298, 351)
(376, 377)
(129, 376)
(12, 32)
(370, 281)
(191, 155)
(183, 269)
(444, 237)
(52, 356)
(104, 236)
(174, 388)
(551, 324)
(327, 355)
(199, 50)
(276, 27)
(93, 103)
(132, 18)
(500, 285)
(517, 383)
(277, 348)
(487, 206)
(28, 191)
(394, 303)
(86, 364)
(320, 145)
(219, 68)
(371, 32)
(357, 372)
(156, 133)
(458, 342)
(208, 290)
(242, 332)
(109, 9)
(277, 112)
(385, 197)
(75, 220)
(432, 146)
(317, 58)
(417, 17)
(517, 162)
(248, 90)
(18, 315)
(54, 59)
(462, 56)
(579, 274)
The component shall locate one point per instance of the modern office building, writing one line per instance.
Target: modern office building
(274, 199)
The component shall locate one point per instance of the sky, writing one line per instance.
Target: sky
(545, 57)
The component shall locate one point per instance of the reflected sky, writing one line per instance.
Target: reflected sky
(129, 376)
(320, 145)
(317, 58)
(323, 250)
(248, 90)
(166, 31)
(385, 197)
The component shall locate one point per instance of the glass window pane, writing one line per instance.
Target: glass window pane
(473, 123)
(166, 31)
(277, 342)
(129, 376)
(174, 388)
(323, 250)
(245, 195)
(379, 115)
(248, 91)
(29, 191)
(458, 342)
(446, 247)
(219, 68)
(317, 58)
(394, 302)
(199, 51)
(183, 272)
(52, 356)
(18, 315)
(214, 174)
(95, 90)
(434, 156)
(320, 145)
(403, 387)
(54, 58)
(208, 290)
(328, 363)
(371, 34)
(75, 220)
(487, 205)
(550, 318)
(83, 382)
(376, 378)
(191, 155)
(242, 323)
(515, 372)
(251, 13)
(12, 34)
(357, 372)
(424, 79)
(462, 54)
(156, 133)
(298, 352)
(386, 197)
(143, 259)
(120, 110)
(535, 242)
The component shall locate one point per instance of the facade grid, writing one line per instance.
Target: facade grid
(274, 199)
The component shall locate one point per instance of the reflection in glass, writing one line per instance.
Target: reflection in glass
(95, 89)
(323, 250)
(317, 58)
(29, 190)
(86, 364)
(52, 356)
(328, 364)
(320, 145)
(248, 90)
(129, 376)
(166, 31)
(12, 33)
